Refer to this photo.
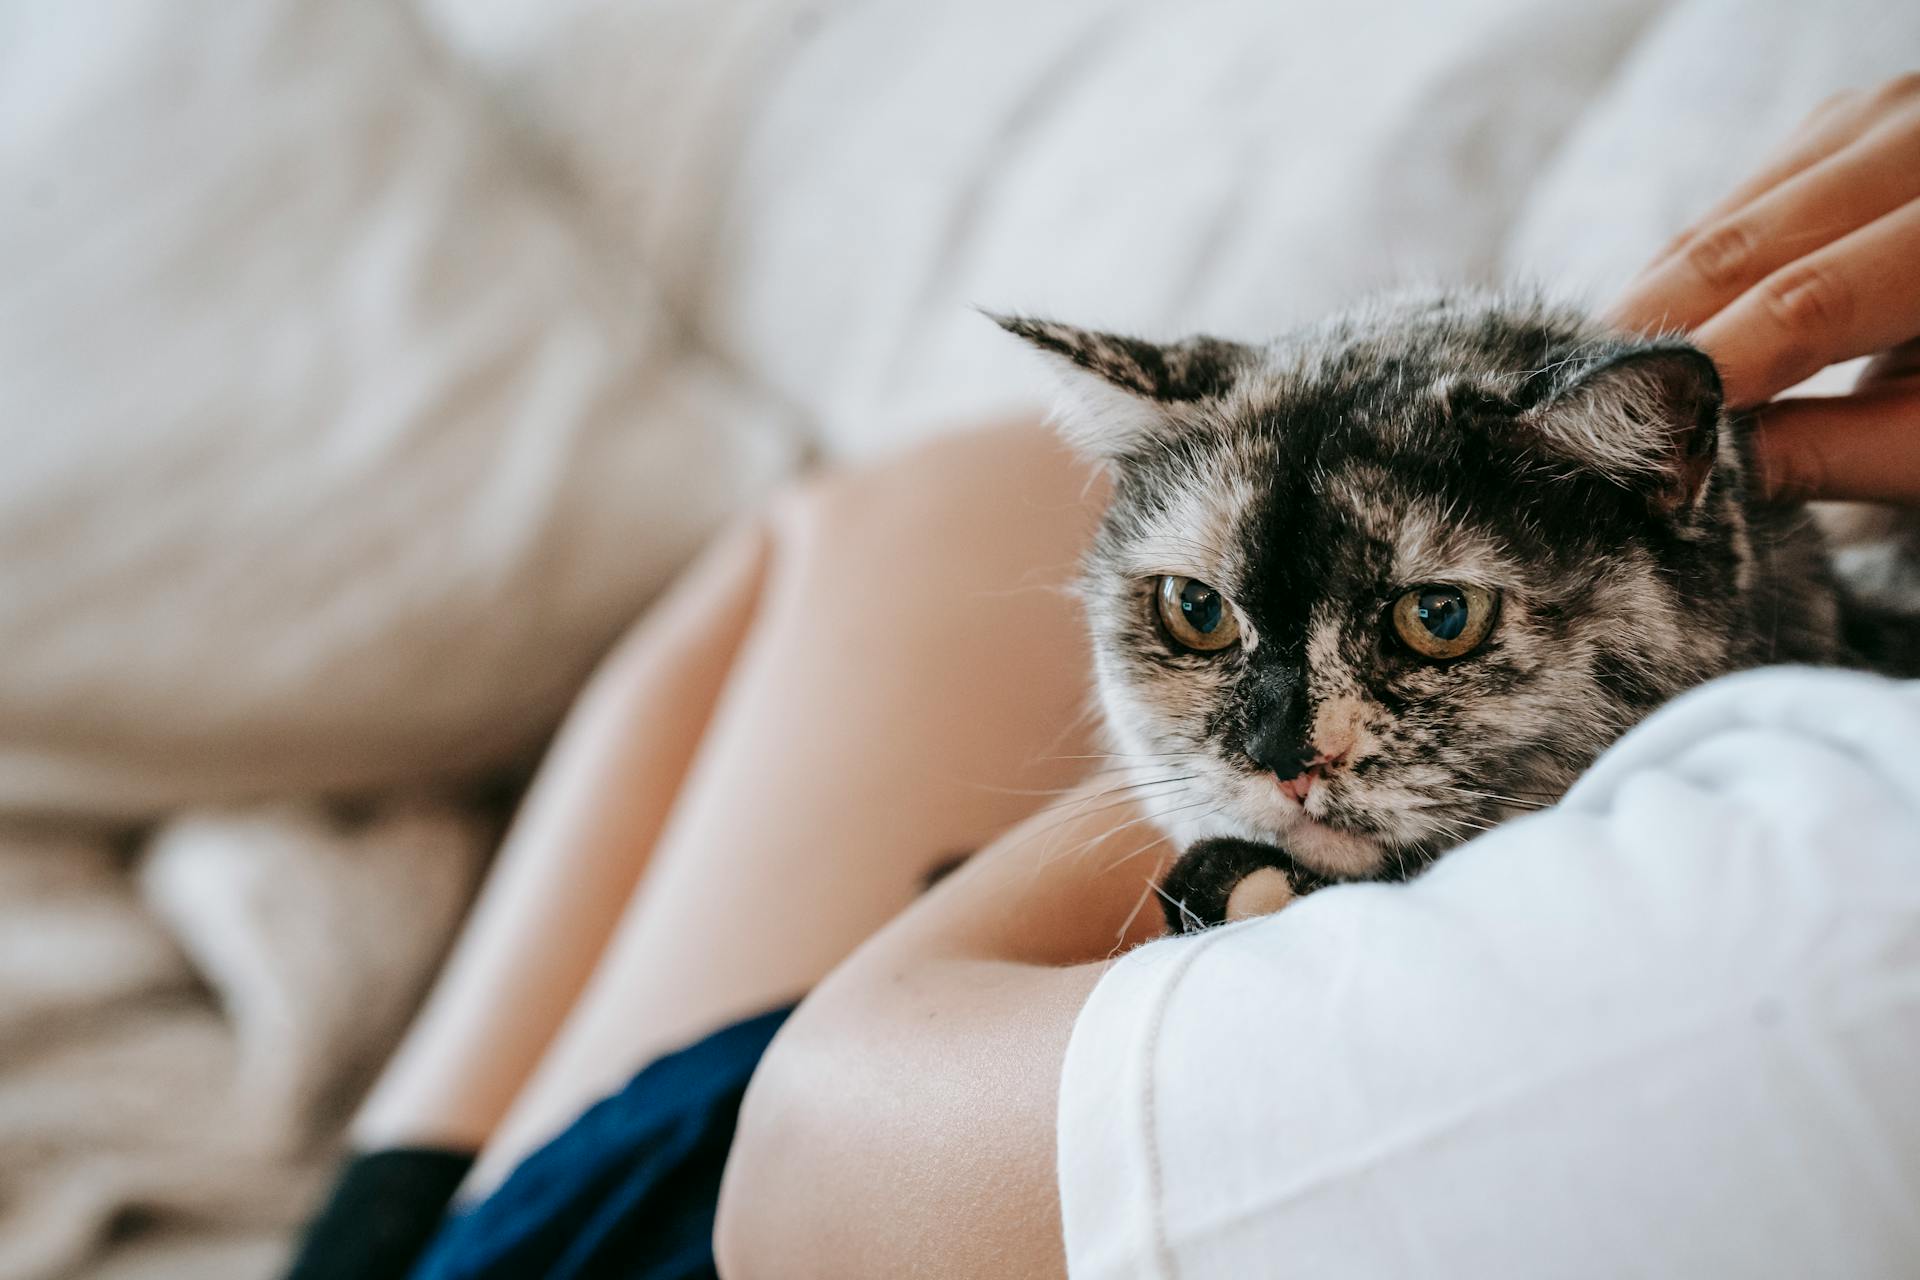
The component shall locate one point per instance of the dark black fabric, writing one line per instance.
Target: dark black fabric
(629, 1189)
(384, 1208)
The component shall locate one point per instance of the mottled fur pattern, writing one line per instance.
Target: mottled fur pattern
(1591, 479)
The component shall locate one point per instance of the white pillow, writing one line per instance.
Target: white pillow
(334, 453)
(828, 189)
(1710, 91)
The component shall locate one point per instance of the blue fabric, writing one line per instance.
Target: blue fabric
(628, 1190)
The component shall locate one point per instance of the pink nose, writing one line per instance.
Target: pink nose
(1298, 785)
(1301, 783)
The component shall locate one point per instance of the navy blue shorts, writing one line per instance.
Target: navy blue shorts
(628, 1190)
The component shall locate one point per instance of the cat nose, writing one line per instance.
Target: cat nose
(1282, 760)
(1301, 783)
(1295, 768)
(1283, 764)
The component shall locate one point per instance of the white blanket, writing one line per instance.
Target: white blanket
(182, 1026)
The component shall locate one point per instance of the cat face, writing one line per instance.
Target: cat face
(1365, 592)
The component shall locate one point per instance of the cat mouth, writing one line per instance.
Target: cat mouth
(1331, 850)
(1323, 846)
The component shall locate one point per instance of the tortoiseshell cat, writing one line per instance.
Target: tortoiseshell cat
(1376, 586)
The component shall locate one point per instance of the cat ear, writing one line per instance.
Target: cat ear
(1119, 391)
(1649, 417)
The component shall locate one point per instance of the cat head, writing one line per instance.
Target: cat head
(1367, 590)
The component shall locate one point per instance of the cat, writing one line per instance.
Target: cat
(1374, 587)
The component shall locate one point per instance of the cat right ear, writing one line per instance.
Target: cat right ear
(1119, 393)
(1648, 416)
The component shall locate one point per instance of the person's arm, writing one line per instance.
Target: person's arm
(903, 1121)
(1813, 260)
(1567, 1049)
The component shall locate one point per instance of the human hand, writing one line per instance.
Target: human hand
(1813, 260)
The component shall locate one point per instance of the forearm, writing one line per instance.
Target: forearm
(903, 1122)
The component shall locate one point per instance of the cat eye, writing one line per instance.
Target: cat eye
(1196, 616)
(1441, 621)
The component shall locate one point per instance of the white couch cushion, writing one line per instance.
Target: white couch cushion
(333, 454)
(1708, 93)
(827, 189)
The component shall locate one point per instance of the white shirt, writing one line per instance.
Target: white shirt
(1670, 1028)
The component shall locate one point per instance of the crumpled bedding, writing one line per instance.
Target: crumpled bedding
(184, 1020)
(200, 964)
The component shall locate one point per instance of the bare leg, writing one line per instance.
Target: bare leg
(913, 682)
(570, 863)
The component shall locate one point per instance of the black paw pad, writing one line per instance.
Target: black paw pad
(1198, 892)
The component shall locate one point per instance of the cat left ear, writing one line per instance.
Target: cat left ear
(1120, 392)
(1648, 416)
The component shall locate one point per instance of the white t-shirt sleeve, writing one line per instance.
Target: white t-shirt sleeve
(1669, 1028)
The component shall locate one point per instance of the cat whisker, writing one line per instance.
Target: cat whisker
(1072, 812)
(1158, 839)
(1125, 858)
(1529, 802)
(1075, 812)
(1510, 802)
(1180, 905)
(1120, 935)
(1090, 712)
(1456, 829)
(1121, 755)
(1145, 817)
(1065, 791)
(1098, 836)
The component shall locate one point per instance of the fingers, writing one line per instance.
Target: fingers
(1813, 260)
(1864, 447)
(1858, 295)
(1729, 254)
(1833, 125)
(1891, 366)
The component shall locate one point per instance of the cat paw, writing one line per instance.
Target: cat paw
(1223, 879)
